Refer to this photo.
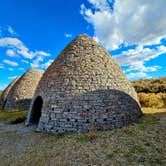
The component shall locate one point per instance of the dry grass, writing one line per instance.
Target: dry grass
(155, 100)
(141, 143)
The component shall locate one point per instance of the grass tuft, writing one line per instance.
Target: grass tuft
(13, 117)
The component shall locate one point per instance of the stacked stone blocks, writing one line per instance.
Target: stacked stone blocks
(85, 89)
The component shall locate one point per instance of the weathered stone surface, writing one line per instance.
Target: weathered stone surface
(22, 92)
(85, 89)
(3, 98)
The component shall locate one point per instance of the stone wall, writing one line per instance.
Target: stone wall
(21, 94)
(85, 89)
(3, 97)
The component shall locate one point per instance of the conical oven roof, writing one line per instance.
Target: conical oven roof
(23, 90)
(84, 62)
(85, 78)
(3, 97)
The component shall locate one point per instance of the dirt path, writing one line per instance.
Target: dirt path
(140, 143)
(18, 128)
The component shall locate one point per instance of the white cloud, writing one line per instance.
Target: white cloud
(135, 60)
(2, 66)
(10, 69)
(139, 55)
(39, 58)
(46, 64)
(3, 86)
(11, 63)
(24, 61)
(21, 68)
(7, 30)
(67, 35)
(36, 62)
(14, 43)
(16, 48)
(11, 53)
(96, 39)
(11, 30)
(12, 77)
(0, 32)
(20, 48)
(102, 4)
(9, 41)
(137, 75)
(131, 22)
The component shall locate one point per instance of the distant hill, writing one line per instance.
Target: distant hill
(150, 85)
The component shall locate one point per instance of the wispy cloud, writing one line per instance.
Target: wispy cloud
(68, 35)
(11, 30)
(19, 48)
(3, 86)
(21, 68)
(12, 53)
(139, 54)
(47, 64)
(24, 61)
(7, 30)
(10, 69)
(36, 62)
(135, 60)
(10, 63)
(137, 75)
(15, 48)
(12, 77)
(2, 66)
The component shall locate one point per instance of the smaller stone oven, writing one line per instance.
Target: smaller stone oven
(22, 92)
(4, 96)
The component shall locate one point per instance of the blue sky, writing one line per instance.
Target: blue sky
(32, 33)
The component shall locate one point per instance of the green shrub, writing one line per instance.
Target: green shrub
(13, 117)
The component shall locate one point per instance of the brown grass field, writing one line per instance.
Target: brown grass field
(140, 143)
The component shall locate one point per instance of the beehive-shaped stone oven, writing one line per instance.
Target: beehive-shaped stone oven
(3, 97)
(21, 94)
(83, 89)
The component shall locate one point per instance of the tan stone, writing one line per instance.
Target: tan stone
(22, 92)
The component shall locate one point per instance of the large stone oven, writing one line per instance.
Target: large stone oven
(83, 89)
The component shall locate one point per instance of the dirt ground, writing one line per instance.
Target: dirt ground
(141, 143)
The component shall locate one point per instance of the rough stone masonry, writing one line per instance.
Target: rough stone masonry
(84, 89)
(3, 97)
(22, 92)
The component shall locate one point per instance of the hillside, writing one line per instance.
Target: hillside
(150, 85)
